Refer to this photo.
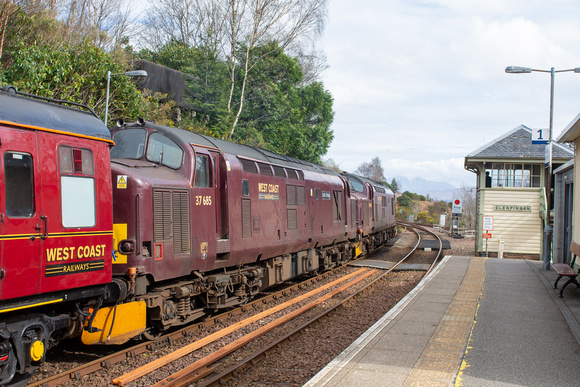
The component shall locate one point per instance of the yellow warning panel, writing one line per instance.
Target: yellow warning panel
(121, 181)
(358, 249)
(129, 321)
(119, 233)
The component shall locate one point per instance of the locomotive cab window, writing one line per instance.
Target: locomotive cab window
(77, 187)
(164, 151)
(129, 144)
(355, 184)
(19, 184)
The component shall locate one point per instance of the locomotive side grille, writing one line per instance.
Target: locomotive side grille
(291, 195)
(249, 166)
(246, 218)
(171, 219)
(300, 196)
(279, 171)
(292, 174)
(265, 169)
(181, 238)
(162, 215)
(292, 219)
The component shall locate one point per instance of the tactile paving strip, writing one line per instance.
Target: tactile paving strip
(440, 361)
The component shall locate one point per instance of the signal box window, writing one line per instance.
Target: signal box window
(19, 184)
(512, 175)
(77, 187)
(202, 171)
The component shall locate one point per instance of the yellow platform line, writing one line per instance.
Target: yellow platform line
(441, 362)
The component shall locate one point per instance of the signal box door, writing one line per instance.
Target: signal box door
(20, 214)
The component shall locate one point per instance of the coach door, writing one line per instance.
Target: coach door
(20, 214)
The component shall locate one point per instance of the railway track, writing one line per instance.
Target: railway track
(201, 368)
(230, 373)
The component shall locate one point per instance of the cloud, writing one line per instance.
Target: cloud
(421, 84)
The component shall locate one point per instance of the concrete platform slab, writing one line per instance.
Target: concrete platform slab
(472, 322)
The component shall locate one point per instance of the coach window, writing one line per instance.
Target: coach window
(164, 151)
(129, 144)
(19, 184)
(202, 170)
(77, 187)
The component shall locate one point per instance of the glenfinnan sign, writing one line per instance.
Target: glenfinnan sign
(502, 207)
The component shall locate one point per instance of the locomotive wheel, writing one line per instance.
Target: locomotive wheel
(151, 334)
(8, 364)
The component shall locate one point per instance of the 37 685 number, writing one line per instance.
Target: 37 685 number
(203, 200)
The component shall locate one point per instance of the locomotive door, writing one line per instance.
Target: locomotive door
(204, 213)
(21, 217)
(220, 186)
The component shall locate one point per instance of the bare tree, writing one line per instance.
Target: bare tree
(191, 22)
(312, 62)
(5, 14)
(261, 21)
(468, 204)
(330, 163)
(373, 170)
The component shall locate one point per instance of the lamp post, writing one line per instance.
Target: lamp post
(547, 253)
(136, 73)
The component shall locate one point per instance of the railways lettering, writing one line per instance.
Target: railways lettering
(156, 222)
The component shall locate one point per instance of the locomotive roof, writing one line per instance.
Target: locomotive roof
(20, 110)
(186, 137)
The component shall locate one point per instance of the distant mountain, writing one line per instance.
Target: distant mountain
(438, 190)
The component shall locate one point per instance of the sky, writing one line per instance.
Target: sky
(421, 84)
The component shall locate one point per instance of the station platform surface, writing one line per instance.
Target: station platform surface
(472, 322)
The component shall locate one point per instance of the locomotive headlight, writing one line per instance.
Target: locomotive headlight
(126, 246)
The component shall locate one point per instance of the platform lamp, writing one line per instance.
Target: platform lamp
(135, 73)
(547, 253)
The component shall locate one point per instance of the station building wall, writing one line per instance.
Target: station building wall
(516, 220)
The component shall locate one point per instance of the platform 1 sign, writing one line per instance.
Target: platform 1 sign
(540, 136)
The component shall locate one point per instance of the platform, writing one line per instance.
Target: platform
(472, 322)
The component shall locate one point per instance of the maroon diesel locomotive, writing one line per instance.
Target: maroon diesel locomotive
(166, 228)
(205, 224)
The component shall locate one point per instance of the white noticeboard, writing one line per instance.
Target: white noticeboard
(487, 223)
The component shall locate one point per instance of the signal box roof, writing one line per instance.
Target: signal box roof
(517, 144)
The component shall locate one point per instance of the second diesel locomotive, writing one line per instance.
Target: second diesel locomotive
(168, 227)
